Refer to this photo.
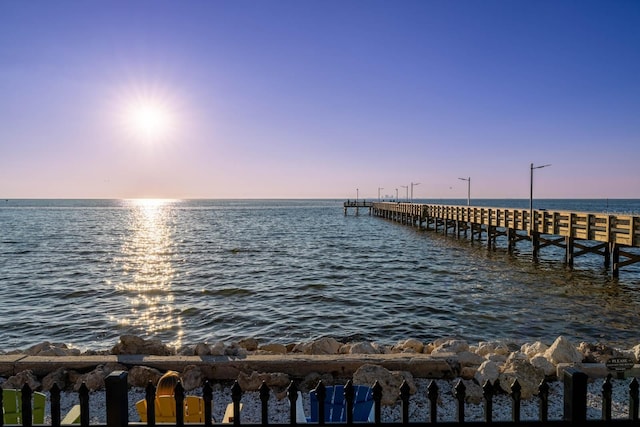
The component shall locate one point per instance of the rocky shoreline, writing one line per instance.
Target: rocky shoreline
(251, 363)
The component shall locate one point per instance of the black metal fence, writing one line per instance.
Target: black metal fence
(575, 404)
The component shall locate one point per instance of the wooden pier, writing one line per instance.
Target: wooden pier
(357, 204)
(613, 236)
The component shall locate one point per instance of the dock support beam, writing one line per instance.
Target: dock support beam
(614, 251)
(535, 245)
(569, 246)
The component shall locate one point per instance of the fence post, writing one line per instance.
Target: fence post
(460, 392)
(117, 399)
(207, 395)
(27, 417)
(543, 394)
(54, 395)
(236, 395)
(607, 389)
(349, 395)
(264, 402)
(487, 393)
(432, 395)
(83, 396)
(405, 391)
(292, 395)
(575, 395)
(633, 400)
(516, 394)
(377, 398)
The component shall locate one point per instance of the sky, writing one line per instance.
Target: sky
(319, 99)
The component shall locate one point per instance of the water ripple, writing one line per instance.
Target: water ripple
(85, 272)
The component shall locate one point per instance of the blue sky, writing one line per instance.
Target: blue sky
(306, 99)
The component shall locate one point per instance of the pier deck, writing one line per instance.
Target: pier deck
(357, 204)
(611, 235)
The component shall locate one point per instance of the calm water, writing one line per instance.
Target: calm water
(84, 272)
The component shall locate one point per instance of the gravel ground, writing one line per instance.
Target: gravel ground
(419, 404)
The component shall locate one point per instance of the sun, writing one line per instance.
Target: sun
(147, 114)
(149, 119)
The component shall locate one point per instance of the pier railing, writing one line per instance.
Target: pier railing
(574, 404)
(612, 233)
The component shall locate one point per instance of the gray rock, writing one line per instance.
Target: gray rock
(527, 375)
(563, 351)
(389, 380)
(140, 376)
(131, 344)
(22, 378)
(488, 371)
(191, 377)
(253, 381)
(274, 348)
(451, 346)
(202, 349)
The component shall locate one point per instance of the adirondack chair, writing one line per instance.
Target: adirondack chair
(12, 406)
(165, 408)
(335, 407)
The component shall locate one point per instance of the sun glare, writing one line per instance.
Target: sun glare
(148, 115)
(149, 120)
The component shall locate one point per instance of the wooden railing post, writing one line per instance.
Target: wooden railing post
(575, 395)
(117, 399)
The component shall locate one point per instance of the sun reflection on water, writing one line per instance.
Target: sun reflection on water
(148, 271)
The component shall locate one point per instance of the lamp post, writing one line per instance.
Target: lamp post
(407, 187)
(379, 188)
(531, 194)
(468, 189)
(412, 184)
(396, 194)
(357, 194)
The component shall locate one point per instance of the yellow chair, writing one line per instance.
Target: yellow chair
(12, 406)
(166, 410)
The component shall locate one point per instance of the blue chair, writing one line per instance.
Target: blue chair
(335, 406)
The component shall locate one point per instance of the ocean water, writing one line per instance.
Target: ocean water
(84, 272)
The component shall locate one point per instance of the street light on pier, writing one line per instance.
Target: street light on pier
(531, 193)
(468, 189)
(412, 184)
(407, 187)
(357, 194)
(379, 188)
(396, 194)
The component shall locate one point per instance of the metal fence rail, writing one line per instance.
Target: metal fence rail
(575, 404)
